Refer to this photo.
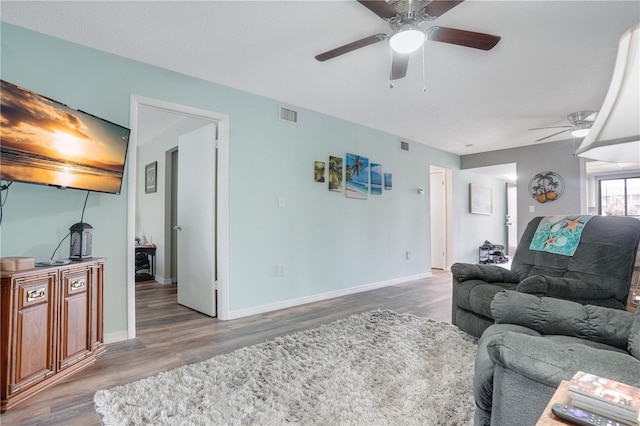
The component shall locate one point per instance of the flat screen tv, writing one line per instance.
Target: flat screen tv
(45, 142)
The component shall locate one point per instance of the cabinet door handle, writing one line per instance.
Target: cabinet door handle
(76, 285)
(36, 294)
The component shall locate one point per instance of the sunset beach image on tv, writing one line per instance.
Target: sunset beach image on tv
(45, 142)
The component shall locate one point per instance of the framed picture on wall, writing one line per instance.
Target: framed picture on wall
(480, 201)
(150, 177)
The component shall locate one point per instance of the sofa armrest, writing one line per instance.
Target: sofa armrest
(488, 273)
(549, 363)
(567, 288)
(548, 315)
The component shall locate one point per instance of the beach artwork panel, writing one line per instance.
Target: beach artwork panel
(357, 176)
(376, 179)
(318, 171)
(335, 173)
(388, 181)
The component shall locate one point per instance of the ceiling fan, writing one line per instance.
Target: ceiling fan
(579, 124)
(404, 18)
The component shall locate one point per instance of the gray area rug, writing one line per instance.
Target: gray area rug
(379, 367)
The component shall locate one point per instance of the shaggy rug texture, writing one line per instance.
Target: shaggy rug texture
(380, 367)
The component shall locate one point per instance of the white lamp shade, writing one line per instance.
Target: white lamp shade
(406, 41)
(615, 134)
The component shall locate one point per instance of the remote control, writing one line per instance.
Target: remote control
(580, 417)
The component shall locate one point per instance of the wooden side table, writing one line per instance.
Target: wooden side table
(560, 397)
(147, 270)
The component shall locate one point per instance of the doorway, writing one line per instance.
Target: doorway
(140, 133)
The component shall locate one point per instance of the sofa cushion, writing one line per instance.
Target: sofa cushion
(550, 316)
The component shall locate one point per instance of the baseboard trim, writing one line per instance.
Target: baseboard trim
(162, 280)
(120, 336)
(255, 310)
(114, 337)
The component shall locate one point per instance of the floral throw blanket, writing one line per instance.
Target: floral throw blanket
(559, 234)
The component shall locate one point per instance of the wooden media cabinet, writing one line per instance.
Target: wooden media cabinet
(52, 326)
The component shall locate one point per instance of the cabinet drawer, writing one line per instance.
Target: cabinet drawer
(75, 282)
(33, 292)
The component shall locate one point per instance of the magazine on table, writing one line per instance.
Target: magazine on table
(607, 397)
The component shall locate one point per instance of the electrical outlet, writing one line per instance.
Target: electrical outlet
(407, 255)
(532, 209)
(280, 271)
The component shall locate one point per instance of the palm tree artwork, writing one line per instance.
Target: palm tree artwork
(357, 176)
(319, 171)
(546, 186)
(335, 174)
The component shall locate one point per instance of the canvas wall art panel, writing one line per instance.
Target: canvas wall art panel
(376, 179)
(480, 200)
(335, 173)
(318, 171)
(388, 181)
(357, 176)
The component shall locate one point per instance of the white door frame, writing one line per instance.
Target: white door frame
(222, 205)
(438, 205)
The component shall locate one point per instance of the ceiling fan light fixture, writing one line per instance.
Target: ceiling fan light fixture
(580, 133)
(406, 40)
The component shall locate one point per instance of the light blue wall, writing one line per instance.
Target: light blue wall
(326, 241)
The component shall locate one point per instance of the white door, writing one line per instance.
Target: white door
(438, 220)
(512, 219)
(196, 219)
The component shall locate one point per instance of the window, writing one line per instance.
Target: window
(620, 197)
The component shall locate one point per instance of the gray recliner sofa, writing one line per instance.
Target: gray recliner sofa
(536, 342)
(598, 272)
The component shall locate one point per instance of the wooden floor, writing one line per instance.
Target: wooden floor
(170, 335)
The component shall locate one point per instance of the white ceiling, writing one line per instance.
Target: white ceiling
(555, 58)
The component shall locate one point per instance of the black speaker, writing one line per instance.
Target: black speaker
(81, 236)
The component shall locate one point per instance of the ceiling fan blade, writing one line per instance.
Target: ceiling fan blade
(380, 8)
(351, 47)
(463, 38)
(547, 137)
(439, 7)
(551, 127)
(399, 64)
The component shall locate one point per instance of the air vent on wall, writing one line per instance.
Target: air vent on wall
(288, 115)
(404, 145)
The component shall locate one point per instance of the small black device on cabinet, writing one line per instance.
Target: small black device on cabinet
(81, 236)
